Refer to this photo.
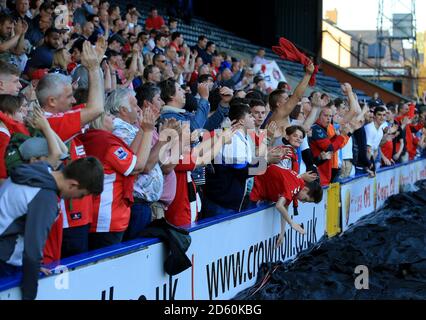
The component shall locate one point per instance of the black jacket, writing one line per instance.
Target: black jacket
(226, 186)
(176, 239)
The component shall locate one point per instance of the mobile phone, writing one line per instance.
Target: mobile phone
(76, 81)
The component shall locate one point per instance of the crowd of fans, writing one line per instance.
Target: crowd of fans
(107, 124)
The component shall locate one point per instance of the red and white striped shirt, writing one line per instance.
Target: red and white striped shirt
(111, 209)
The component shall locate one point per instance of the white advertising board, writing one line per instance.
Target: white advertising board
(226, 258)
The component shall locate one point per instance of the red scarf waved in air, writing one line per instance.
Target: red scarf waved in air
(287, 51)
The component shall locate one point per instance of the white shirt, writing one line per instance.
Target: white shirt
(374, 135)
(347, 152)
(239, 151)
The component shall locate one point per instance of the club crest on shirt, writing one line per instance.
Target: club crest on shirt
(79, 151)
(75, 216)
(121, 153)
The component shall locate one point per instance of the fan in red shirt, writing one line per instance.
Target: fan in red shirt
(154, 21)
(121, 164)
(11, 121)
(283, 186)
(406, 114)
(390, 147)
(55, 96)
(185, 207)
(321, 142)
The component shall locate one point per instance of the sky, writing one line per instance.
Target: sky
(362, 14)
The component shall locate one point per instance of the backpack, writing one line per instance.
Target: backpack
(12, 156)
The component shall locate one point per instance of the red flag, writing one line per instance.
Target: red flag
(287, 51)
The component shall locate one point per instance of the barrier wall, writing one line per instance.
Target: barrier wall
(226, 252)
(226, 255)
(361, 196)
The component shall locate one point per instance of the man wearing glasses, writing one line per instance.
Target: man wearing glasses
(160, 62)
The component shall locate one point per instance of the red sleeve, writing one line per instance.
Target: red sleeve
(186, 164)
(121, 159)
(293, 186)
(66, 125)
(194, 77)
(161, 20)
(52, 248)
(287, 196)
(148, 23)
(337, 142)
(4, 141)
(322, 142)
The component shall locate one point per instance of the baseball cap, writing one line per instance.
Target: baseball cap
(36, 147)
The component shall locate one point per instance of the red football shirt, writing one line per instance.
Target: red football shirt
(52, 248)
(154, 23)
(4, 141)
(111, 209)
(184, 208)
(387, 149)
(276, 183)
(77, 212)
(290, 160)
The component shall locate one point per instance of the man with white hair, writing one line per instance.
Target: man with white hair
(55, 96)
(123, 105)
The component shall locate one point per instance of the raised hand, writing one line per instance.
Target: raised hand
(226, 135)
(38, 120)
(19, 27)
(136, 49)
(309, 176)
(406, 121)
(345, 129)
(105, 67)
(275, 155)
(203, 90)
(195, 135)
(101, 47)
(148, 120)
(226, 94)
(310, 68)
(271, 128)
(171, 124)
(89, 57)
(346, 89)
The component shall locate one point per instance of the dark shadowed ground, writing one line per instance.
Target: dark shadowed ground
(390, 243)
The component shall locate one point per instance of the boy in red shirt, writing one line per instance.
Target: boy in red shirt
(284, 186)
